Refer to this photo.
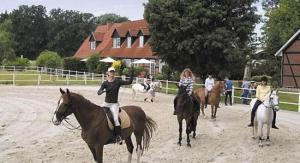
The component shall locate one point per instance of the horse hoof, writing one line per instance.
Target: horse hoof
(179, 143)
(189, 145)
(151, 100)
(145, 99)
(268, 143)
(260, 145)
(194, 136)
(253, 137)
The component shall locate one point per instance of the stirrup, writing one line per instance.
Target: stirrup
(119, 140)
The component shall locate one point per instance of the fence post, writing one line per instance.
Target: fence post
(92, 76)
(76, 75)
(67, 79)
(39, 78)
(14, 78)
(167, 86)
(232, 99)
(84, 78)
(299, 102)
(102, 78)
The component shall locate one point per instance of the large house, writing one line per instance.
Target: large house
(127, 41)
(290, 63)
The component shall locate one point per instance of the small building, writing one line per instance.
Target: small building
(127, 41)
(290, 62)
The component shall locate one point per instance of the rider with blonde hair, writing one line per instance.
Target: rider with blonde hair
(187, 79)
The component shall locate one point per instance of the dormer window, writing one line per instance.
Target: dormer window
(93, 45)
(128, 42)
(117, 42)
(141, 43)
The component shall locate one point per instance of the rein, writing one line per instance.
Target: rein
(65, 119)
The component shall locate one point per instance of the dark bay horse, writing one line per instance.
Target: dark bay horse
(185, 110)
(95, 130)
(214, 98)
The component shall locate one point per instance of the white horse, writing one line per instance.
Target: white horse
(139, 88)
(264, 116)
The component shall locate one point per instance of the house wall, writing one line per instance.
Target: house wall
(291, 65)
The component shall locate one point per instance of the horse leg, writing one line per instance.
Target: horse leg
(215, 112)
(212, 111)
(260, 144)
(99, 153)
(130, 147)
(138, 137)
(180, 132)
(187, 131)
(194, 125)
(202, 110)
(93, 152)
(268, 135)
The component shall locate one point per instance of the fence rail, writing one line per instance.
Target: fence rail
(43, 74)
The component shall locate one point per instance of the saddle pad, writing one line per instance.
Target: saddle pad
(123, 118)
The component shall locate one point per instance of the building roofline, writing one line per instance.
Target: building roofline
(279, 52)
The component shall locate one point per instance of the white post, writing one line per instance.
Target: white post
(85, 78)
(39, 79)
(102, 78)
(232, 99)
(167, 85)
(299, 102)
(14, 79)
(67, 79)
(76, 75)
(92, 76)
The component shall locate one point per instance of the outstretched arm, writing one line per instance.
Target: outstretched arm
(101, 90)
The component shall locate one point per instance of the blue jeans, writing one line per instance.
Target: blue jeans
(245, 95)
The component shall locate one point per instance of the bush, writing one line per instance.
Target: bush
(49, 59)
(21, 62)
(102, 67)
(93, 62)
(136, 71)
(71, 63)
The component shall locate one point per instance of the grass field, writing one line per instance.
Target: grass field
(34, 78)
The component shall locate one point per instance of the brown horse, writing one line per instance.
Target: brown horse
(184, 107)
(214, 98)
(95, 129)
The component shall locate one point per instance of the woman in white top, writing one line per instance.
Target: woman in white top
(209, 84)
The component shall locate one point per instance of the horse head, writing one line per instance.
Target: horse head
(64, 108)
(274, 100)
(181, 89)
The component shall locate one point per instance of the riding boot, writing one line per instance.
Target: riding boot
(118, 135)
(274, 121)
(257, 103)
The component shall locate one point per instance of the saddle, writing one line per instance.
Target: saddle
(123, 119)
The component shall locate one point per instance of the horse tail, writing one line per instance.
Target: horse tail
(150, 127)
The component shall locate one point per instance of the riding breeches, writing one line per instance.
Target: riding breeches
(114, 108)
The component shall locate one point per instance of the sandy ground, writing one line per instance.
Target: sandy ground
(27, 134)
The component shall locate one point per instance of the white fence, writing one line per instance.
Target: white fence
(68, 76)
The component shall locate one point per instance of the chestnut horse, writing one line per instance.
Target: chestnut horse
(95, 131)
(214, 98)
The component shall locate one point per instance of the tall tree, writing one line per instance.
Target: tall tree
(110, 18)
(29, 30)
(67, 30)
(208, 36)
(3, 16)
(6, 42)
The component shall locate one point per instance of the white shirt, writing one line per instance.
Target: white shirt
(209, 83)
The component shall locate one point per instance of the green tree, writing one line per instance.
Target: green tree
(29, 30)
(49, 59)
(6, 43)
(207, 36)
(93, 62)
(67, 30)
(110, 18)
(283, 20)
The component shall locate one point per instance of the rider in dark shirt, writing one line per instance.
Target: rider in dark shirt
(111, 86)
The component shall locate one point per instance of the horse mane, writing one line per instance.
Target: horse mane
(83, 100)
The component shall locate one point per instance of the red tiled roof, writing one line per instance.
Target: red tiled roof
(104, 33)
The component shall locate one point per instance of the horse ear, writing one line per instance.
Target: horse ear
(68, 92)
(61, 91)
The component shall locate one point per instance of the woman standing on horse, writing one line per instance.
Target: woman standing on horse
(187, 79)
(261, 94)
(111, 86)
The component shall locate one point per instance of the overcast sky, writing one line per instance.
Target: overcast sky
(133, 9)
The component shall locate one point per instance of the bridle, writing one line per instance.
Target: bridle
(63, 116)
(271, 103)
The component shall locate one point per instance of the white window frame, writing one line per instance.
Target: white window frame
(141, 41)
(93, 45)
(117, 42)
(128, 42)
